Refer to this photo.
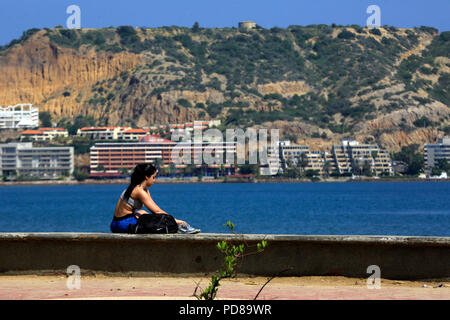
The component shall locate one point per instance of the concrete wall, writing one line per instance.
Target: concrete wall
(181, 255)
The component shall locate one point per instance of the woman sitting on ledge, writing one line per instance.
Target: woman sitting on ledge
(128, 208)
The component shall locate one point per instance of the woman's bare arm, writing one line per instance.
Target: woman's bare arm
(152, 206)
(149, 203)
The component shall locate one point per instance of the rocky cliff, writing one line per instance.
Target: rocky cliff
(314, 82)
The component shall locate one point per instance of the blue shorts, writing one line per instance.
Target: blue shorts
(120, 225)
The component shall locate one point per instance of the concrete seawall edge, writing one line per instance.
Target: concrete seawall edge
(398, 257)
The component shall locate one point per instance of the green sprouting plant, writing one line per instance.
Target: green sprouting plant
(233, 254)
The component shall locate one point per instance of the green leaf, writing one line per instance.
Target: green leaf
(230, 225)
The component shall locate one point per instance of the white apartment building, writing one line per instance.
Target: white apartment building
(133, 134)
(189, 127)
(291, 152)
(435, 152)
(270, 164)
(43, 134)
(351, 153)
(102, 133)
(342, 158)
(19, 116)
(22, 159)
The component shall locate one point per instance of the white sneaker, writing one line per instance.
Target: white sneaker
(187, 229)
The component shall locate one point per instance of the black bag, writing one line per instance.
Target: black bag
(154, 223)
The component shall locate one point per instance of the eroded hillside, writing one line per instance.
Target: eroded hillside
(385, 85)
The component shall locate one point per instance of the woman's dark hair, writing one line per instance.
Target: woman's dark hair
(139, 174)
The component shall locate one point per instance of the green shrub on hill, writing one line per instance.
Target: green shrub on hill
(424, 122)
(441, 91)
(346, 35)
(185, 103)
(375, 31)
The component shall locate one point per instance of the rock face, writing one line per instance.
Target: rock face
(434, 112)
(53, 78)
(118, 83)
(285, 88)
(395, 141)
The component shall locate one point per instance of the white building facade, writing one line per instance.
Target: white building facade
(43, 134)
(19, 116)
(435, 152)
(22, 159)
(102, 133)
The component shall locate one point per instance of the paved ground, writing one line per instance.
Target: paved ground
(291, 288)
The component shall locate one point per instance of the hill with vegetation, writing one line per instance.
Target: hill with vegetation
(316, 83)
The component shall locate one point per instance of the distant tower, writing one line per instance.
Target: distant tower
(247, 25)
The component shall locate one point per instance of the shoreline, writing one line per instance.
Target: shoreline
(214, 181)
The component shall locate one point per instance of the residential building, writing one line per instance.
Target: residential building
(321, 162)
(22, 159)
(189, 127)
(291, 153)
(352, 156)
(382, 163)
(179, 127)
(19, 116)
(314, 161)
(348, 157)
(43, 134)
(341, 158)
(112, 156)
(102, 133)
(435, 152)
(133, 134)
(273, 161)
(329, 164)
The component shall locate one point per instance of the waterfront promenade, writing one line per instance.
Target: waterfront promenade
(32, 287)
(114, 266)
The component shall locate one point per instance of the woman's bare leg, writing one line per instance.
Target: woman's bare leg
(141, 212)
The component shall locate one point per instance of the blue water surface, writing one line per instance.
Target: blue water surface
(370, 208)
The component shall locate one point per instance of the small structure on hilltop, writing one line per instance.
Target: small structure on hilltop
(247, 25)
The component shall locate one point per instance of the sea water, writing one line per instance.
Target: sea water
(354, 208)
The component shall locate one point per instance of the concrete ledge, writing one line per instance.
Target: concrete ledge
(398, 257)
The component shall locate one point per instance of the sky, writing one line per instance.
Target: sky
(16, 16)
